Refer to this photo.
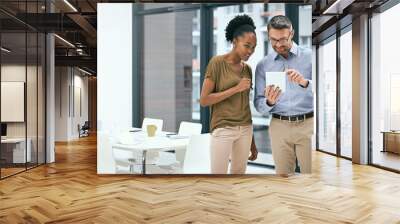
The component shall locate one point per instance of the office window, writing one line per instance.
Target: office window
(305, 41)
(171, 72)
(327, 96)
(306, 25)
(346, 94)
(385, 89)
(159, 5)
(249, 8)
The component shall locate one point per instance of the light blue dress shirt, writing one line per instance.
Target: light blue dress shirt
(295, 100)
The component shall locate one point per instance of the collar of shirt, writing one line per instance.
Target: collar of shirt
(293, 50)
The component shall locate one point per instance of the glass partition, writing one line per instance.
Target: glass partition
(14, 145)
(23, 91)
(385, 90)
(346, 94)
(327, 96)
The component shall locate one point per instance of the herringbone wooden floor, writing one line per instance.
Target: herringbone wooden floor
(70, 191)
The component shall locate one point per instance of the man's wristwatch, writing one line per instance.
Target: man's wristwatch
(308, 82)
(266, 101)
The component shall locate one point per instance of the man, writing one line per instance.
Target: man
(291, 125)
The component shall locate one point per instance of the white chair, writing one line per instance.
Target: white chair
(157, 122)
(197, 157)
(124, 158)
(186, 129)
(189, 128)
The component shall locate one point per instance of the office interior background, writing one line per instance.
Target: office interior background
(38, 107)
(56, 63)
(49, 87)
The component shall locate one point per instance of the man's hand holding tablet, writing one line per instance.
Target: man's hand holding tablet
(275, 83)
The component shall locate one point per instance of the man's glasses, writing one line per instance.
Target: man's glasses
(282, 41)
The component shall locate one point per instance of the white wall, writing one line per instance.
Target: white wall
(114, 77)
(61, 104)
(80, 83)
(70, 94)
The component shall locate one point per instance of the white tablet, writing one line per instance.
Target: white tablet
(276, 79)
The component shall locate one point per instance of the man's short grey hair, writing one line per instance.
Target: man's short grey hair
(280, 22)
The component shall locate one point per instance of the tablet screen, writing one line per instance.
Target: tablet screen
(276, 79)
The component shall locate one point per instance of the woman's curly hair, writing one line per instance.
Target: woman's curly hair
(239, 25)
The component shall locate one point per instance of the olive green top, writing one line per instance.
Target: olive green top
(235, 110)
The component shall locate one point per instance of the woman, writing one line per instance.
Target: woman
(226, 90)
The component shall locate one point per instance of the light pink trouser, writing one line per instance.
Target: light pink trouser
(230, 142)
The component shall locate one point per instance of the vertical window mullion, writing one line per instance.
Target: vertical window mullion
(338, 98)
(26, 86)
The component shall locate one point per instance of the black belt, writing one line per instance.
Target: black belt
(300, 117)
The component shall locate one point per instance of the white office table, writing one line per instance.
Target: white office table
(19, 149)
(139, 141)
